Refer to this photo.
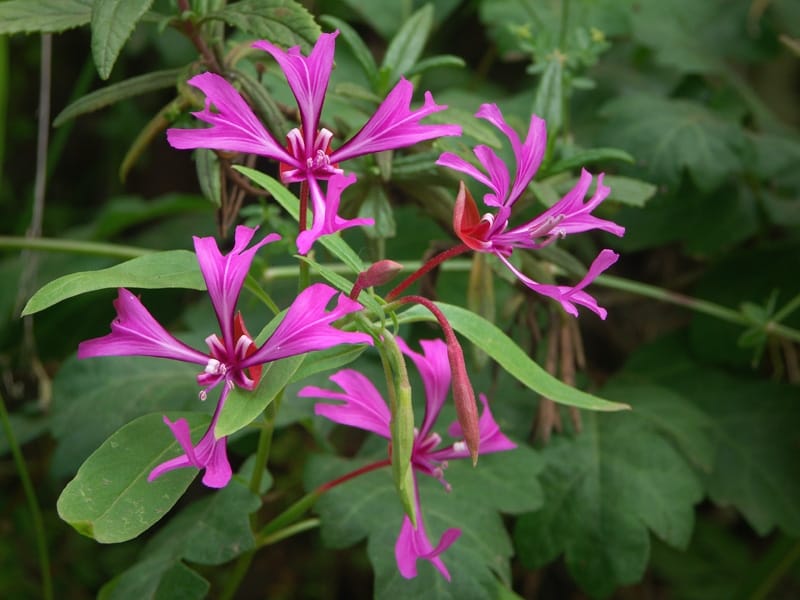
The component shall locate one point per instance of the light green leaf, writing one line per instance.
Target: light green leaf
(327, 360)
(376, 207)
(626, 190)
(586, 157)
(116, 92)
(110, 498)
(158, 270)
(113, 21)
(209, 175)
(548, 100)
(242, 407)
(351, 38)
(511, 357)
(283, 22)
(406, 46)
(334, 243)
(605, 488)
(25, 16)
(435, 62)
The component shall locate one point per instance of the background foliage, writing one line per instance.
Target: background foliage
(691, 108)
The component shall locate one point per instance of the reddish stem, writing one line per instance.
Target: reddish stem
(430, 264)
(303, 221)
(352, 475)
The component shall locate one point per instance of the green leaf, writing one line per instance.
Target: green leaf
(670, 135)
(209, 175)
(367, 507)
(242, 407)
(406, 46)
(623, 475)
(93, 398)
(113, 21)
(626, 190)
(123, 213)
(334, 243)
(24, 16)
(327, 360)
(116, 92)
(477, 129)
(283, 22)
(210, 531)
(351, 38)
(110, 498)
(549, 99)
(158, 270)
(511, 357)
(376, 207)
(158, 580)
(435, 62)
(586, 157)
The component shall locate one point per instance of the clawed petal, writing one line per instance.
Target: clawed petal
(136, 333)
(413, 544)
(363, 406)
(307, 77)
(235, 128)
(225, 274)
(307, 327)
(434, 368)
(570, 296)
(498, 174)
(326, 207)
(394, 125)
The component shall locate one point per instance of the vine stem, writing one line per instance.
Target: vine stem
(33, 504)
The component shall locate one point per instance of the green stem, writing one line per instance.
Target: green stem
(790, 307)
(784, 553)
(33, 504)
(288, 532)
(72, 247)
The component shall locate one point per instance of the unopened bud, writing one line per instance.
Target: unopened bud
(464, 397)
(379, 273)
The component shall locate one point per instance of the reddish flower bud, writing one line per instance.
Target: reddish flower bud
(379, 273)
(464, 398)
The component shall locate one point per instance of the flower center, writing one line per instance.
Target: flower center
(315, 160)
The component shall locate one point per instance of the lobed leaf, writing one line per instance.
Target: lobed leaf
(110, 498)
(113, 21)
(45, 16)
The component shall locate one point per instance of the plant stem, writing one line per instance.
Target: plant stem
(72, 247)
(303, 276)
(427, 266)
(288, 532)
(33, 504)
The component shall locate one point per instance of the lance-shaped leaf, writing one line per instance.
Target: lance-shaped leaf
(113, 21)
(283, 22)
(24, 16)
(511, 357)
(110, 498)
(406, 46)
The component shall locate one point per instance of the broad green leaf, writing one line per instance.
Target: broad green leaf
(123, 213)
(242, 407)
(110, 498)
(626, 190)
(24, 16)
(334, 243)
(157, 270)
(209, 175)
(406, 46)
(210, 531)
(92, 398)
(156, 579)
(385, 21)
(327, 360)
(755, 427)
(350, 37)
(376, 207)
(116, 92)
(367, 506)
(283, 22)
(511, 357)
(623, 475)
(669, 136)
(113, 22)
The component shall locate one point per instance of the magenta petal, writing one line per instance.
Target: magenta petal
(434, 368)
(225, 274)
(307, 77)
(498, 173)
(325, 208)
(218, 469)
(134, 332)
(307, 327)
(235, 128)
(413, 544)
(528, 155)
(455, 162)
(394, 125)
(363, 406)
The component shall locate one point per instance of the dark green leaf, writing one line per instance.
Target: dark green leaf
(283, 22)
(359, 48)
(586, 157)
(126, 212)
(511, 357)
(156, 579)
(94, 397)
(671, 135)
(209, 175)
(110, 498)
(626, 190)
(548, 101)
(113, 21)
(170, 269)
(24, 16)
(116, 92)
(435, 62)
(376, 207)
(622, 475)
(406, 46)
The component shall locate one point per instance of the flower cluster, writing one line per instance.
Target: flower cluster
(364, 408)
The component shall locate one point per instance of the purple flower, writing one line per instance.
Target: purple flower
(233, 359)
(308, 155)
(491, 232)
(363, 407)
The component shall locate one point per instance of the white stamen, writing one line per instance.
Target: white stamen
(460, 446)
